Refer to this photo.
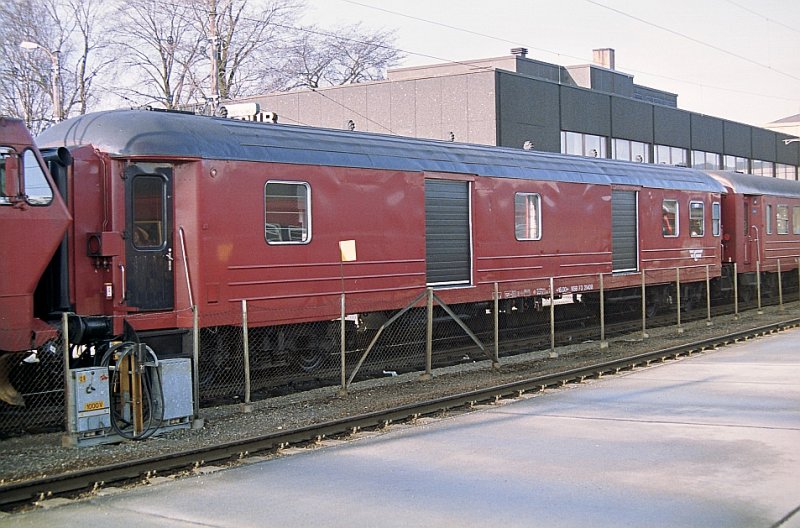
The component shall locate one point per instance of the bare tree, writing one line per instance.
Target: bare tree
(28, 73)
(343, 55)
(92, 46)
(170, 53)
(246, 36)
(158, 48)
(53, 75)
(361, 55)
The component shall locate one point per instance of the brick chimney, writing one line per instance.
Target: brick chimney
(604, 57)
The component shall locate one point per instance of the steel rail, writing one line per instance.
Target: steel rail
(22, 492)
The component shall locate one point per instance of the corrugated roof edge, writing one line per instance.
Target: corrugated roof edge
(148, 133)
(759, 185)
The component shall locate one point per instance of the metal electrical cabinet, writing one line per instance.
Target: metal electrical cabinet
(176, 387)
(89, 395)
(91, 413)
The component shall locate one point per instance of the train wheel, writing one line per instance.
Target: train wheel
(8, 393)
(309, 352)
(651, 309)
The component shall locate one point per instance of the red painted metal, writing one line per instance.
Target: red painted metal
(29, 237)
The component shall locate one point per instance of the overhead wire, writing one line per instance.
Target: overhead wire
(551, 52)
(473, 65)
(693, 39)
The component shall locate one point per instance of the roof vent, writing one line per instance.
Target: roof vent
(519, 52)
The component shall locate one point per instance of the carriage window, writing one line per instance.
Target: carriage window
(149, 211)
(769, 219)
(796, 220)
(696, 218)
(669, 218)
(37, 190)
(287, 213)
(527, 216)
(716, 215)
(5, 153)
(782, 222)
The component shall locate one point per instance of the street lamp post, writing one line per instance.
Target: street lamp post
(56, 76)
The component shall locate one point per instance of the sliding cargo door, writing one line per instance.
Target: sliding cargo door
(624, 231)
(448, 240)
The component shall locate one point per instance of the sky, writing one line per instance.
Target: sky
(734, 59)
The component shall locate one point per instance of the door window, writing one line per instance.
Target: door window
(149, 211)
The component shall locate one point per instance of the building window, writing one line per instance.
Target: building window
(782, 220)
(716, 215)
(666, 155)
(785, 172)
(735, 164)
(287, 212)
(583, 144)
(705, 160)
(527, 216)
(624, 149)
(669, 218)
(769, 219)
(696, 218)
(763, 168)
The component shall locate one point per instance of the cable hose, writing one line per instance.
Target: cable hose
(118, 423)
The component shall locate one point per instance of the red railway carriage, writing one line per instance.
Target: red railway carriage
(174, 210)
(762, 226)
(258, 211)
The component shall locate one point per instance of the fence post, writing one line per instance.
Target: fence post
(552, 321)
(645, 335)
(603, 342)
(708, 294)
(69, 397)
(197, 422)
(735, 291)
(246, 407)
(780, 286)
(758, 286)
(678, 296)
(429, 338)
(342, 349)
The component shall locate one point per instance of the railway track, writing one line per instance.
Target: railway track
(20, 494)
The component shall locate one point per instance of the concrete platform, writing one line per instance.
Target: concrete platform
(707, 441)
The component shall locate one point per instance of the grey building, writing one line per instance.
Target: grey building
(515, 101)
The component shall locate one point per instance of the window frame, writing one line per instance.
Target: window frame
(768, 219)
(716, 219)
(702, 218)
(796, 220)
(148, 232)
(782, 230)
(675, 218)
(307, 216)
(538, 210)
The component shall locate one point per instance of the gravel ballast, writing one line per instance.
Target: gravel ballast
(42, 455)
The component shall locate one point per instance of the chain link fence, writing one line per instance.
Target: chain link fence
(38, 379)
(240, 357)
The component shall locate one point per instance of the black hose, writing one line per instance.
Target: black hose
(120, 426)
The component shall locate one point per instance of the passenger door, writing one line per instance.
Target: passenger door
(753, 228)
(149, 281)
